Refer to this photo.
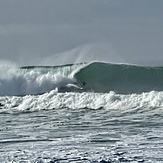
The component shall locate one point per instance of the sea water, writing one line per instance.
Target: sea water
(43, 124)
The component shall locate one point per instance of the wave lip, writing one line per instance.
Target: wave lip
(121, 78)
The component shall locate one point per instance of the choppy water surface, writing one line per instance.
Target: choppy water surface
(97, 112)
(82, 135)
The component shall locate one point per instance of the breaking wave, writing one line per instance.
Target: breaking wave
(86, 77)
(121, 78)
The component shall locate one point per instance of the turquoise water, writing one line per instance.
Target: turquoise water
(121, 78)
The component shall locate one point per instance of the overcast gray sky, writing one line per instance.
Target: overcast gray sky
(50, 32)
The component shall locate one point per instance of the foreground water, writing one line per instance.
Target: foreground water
(82, 127)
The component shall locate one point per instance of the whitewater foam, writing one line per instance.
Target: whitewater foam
(72, 100)
(24, 82)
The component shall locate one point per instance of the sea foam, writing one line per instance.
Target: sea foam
(89, 100)
(16, 82)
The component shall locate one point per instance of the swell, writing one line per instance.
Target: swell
(121, 78)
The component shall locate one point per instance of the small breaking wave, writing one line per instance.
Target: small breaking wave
(85, 100)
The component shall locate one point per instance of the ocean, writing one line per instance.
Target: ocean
(81, 113)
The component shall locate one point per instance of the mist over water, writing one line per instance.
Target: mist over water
(96, 51)
(86, 53)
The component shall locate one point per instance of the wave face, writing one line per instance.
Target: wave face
(105, 77)
(94, 77)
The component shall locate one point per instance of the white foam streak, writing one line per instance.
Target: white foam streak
(55, 100)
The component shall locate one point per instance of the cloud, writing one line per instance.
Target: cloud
(31, 30)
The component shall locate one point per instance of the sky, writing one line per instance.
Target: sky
(53, 32)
